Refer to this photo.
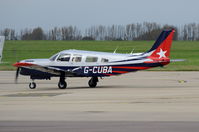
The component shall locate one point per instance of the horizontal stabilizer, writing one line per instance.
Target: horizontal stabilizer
(177, 60)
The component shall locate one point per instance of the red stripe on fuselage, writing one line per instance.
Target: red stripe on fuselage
(130, 67)
(120, 72)
(107, 74)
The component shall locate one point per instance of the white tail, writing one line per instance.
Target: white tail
(2, 38)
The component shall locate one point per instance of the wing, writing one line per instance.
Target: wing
(48, 69)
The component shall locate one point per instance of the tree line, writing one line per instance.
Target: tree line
(134, 31)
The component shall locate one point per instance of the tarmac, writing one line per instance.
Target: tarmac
(139, 102)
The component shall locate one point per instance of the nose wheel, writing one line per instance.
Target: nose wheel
(32, 85)
(93, 82)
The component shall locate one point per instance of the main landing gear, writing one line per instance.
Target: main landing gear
(62, 83)
(93, 82)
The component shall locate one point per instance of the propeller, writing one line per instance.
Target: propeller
(17, 74)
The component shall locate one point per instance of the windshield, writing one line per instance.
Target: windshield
(52, 58)
(64, 57)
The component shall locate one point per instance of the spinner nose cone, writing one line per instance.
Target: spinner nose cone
(16, 64)
(20, 64)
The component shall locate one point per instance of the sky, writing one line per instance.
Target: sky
(20, 14)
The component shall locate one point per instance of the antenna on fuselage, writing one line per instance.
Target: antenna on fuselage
(115, 49)
(132, 51)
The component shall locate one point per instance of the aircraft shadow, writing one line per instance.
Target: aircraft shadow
(112, 87)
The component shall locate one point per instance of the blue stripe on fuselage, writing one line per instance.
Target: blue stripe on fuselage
(81, 71)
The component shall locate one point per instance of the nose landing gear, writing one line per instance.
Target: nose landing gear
(32, 85)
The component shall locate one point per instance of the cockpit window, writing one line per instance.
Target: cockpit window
(91, 59)
(104, 60)
(53, 57)
(77, 58)
(64, 57)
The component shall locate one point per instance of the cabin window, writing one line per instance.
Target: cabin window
(53, 57)
(77, 58)
(91, 59)
(64, 57)
(104, 60)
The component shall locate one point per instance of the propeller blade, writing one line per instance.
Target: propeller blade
(17, 75)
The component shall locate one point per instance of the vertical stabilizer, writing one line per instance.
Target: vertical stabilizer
(161, 48)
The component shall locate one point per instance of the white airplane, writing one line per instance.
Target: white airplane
(79, 63)
(2, 38)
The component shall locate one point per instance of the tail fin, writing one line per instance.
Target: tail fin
(2, 38)
(161, 48)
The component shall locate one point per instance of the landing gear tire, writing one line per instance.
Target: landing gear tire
(62, 85)
(93, 82)
(32, 85)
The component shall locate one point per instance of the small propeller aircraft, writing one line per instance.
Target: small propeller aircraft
(79, 63)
